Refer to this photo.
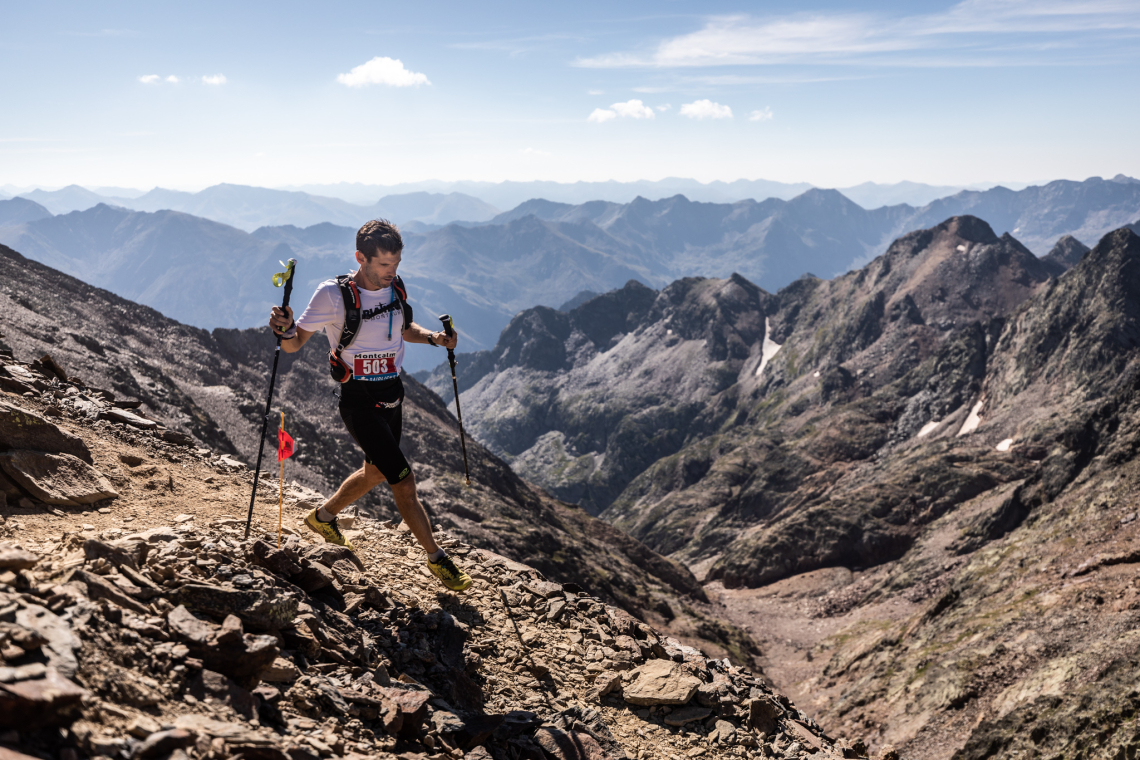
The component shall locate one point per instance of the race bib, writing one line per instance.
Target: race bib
(375, 366)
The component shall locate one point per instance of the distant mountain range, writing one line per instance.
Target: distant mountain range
(510, 194)
(248, 208)
(541, 252)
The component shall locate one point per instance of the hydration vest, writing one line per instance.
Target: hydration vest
(349, 291)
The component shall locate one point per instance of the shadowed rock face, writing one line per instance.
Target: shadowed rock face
(586, 400)
(656, 411)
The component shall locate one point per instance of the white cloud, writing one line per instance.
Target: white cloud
(706, 109)
(382, 70)
(595, 92)
(150, 79)
(216, 79)
(634, 109)
(665, 107)
(599, 115)
(172, 79)
(764, 114)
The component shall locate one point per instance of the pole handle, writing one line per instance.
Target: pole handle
(448, 327)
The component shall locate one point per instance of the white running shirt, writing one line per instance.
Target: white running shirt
(372, 355)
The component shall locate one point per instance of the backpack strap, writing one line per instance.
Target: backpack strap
(401, 292)
(351, 295)
(352, 308)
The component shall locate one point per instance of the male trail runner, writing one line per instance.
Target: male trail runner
(371, 400)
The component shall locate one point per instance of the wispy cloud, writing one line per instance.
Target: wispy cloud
(665, 107)
(215, 79)
(595, 92)
(172, 79)
(382, 70)
(706, 109)
(150, 79)
(601, 115)
(517, 46)
(956, 36)
(764, 114)
(104, 33)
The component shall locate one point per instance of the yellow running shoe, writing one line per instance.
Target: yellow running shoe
(448, 574)
(330, 531)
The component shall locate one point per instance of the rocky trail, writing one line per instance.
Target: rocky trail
(137, 622)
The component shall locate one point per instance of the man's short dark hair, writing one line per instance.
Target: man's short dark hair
(379, 235)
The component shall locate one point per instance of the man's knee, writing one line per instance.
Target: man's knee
(373, 474)
(407, 486)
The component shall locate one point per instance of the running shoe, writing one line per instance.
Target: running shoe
(330, 531)
(448, 574)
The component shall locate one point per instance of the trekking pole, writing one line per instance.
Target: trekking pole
(281, 278)
(450, 330)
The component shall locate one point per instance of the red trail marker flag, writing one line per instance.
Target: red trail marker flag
(284, 451)
(284, 444)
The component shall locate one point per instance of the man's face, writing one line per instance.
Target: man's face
(380, 270)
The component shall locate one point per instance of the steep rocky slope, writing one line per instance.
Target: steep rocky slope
(210, 386)
(899, 486)
(143, 625)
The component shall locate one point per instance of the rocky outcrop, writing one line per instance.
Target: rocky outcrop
(1064, 255)
(579, 401)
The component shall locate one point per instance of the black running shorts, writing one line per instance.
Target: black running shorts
(373, 414)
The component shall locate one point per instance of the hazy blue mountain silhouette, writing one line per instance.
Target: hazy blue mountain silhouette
(20, 210)
(65, 199)
(189, 268)
(248, 207)
(1039, 215)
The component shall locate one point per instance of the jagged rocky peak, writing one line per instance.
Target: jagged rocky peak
(1078, 335)
(959, 268)
(1065, 254)
(880, 322)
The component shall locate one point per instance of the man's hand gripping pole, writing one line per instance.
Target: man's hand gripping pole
(281, 278)
(449, 330)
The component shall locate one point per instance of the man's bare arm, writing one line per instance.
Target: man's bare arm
(281, 322)
(418, 334)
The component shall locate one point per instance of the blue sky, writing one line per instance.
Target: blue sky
(830, 93)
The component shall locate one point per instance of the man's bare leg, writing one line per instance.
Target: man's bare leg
(414, 513)
(354, 487)
(407, 502)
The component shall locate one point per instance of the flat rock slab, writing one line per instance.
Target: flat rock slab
(60, 479)
(220, 729)
(21, 429)
(13, 558)
(661, 682)
(122, 415)
(266, 610)
(48, 701)
(61, 642)
(687, 715)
